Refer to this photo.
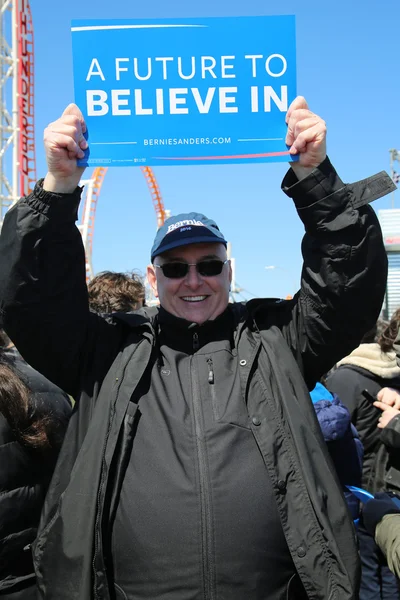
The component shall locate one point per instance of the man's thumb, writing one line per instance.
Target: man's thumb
(73, 109)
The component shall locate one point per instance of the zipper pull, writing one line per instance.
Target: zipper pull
(211, 371)
(196, 344)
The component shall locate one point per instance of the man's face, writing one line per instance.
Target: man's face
(195, 297)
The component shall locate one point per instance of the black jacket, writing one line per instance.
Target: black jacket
(348, 382)
(387, 464)
(279, 344)
(24, 478)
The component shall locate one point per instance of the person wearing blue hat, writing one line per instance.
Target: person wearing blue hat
(190, 271)
(194, 465)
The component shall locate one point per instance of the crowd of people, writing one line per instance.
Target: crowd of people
(199, 449)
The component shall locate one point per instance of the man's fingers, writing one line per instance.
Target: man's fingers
(388, 413)
(389, 396)
(382, 405)
(64, 128)
(299, 120)
(69, 125)
(61, 141)
(306, 123)
(298, 103)
(71, 128)
(314, 134)
(73, 109)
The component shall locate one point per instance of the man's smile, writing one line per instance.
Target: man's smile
(193, 298)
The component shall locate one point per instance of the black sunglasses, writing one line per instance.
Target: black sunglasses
(205, 268)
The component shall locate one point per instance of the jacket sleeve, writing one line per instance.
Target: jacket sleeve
(43, 292)
(345, 383)
(387, 537)
(390, 435)
(338, 382)
(344, 268)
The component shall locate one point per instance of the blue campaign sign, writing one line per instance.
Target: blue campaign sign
(185, 91)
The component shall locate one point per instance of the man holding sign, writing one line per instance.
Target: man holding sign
(194, 466)
(185, 91)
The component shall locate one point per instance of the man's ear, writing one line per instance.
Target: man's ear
(152, 279)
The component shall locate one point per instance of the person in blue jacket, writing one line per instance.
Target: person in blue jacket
(341, 437)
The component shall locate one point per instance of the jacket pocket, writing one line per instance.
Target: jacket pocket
(392, 479)
(225, 389)
(121, 459)
(295, 590)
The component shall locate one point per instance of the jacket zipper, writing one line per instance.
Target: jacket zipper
(196, 343)
(206, 518)
(210, 371)
(211, 380)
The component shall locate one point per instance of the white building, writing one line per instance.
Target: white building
(390, 224)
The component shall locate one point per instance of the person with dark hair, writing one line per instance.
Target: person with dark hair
(389, 334)
(194, 464)
(358, 379)
(44, 391)
(111, 292)
(31, 433)
(375, 333)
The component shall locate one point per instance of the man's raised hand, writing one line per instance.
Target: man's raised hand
(306, 136)
(64, 144)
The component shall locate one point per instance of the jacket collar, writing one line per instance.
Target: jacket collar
(371, 358)
(188, 337)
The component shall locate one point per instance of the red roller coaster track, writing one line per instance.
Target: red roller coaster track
(90, 204)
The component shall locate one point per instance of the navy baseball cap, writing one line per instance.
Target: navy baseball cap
(185, 229)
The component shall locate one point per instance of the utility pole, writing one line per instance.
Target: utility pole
(394, 155)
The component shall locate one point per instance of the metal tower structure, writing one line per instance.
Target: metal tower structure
(17, 148)
(394, 155)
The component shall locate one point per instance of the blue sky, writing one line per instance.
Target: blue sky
(348, 70)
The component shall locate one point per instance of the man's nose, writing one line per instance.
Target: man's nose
(193, 279)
